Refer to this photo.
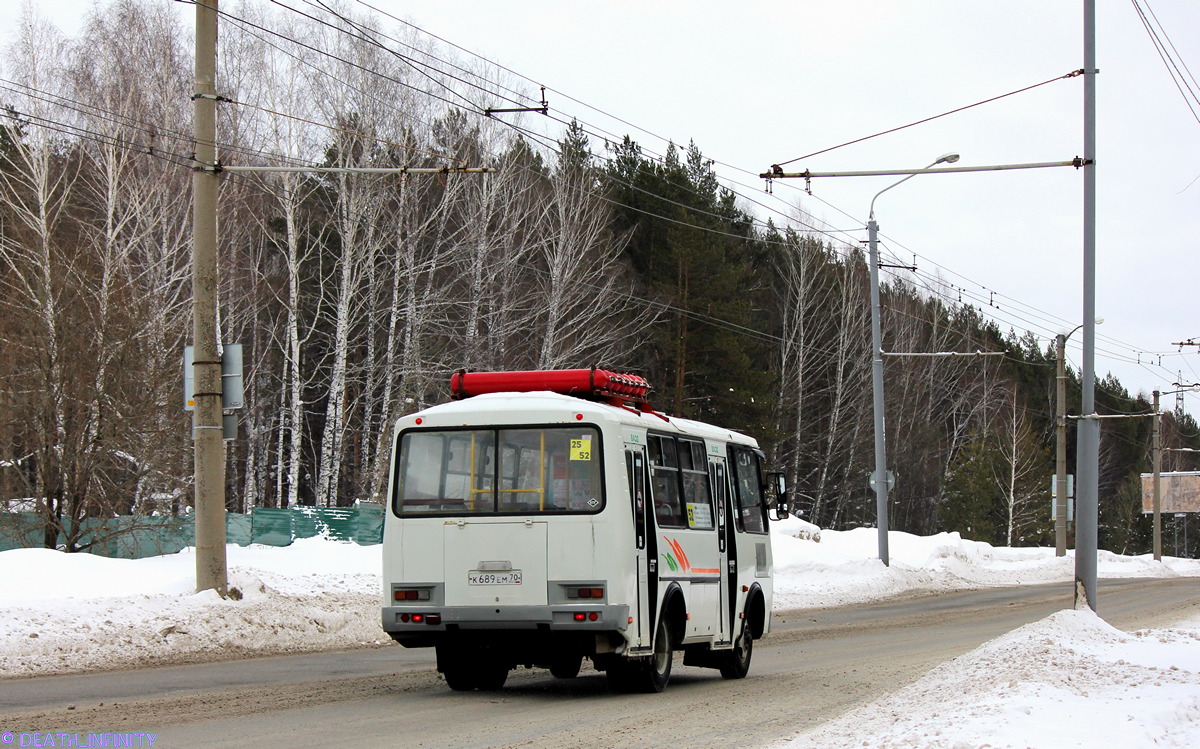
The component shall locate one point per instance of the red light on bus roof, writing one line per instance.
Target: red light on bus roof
(419, 420)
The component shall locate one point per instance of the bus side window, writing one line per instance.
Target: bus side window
(696, 496)
(664, 473)
(716, 472)
(636, 471)
(749, 515)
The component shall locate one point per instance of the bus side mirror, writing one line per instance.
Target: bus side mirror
(777, 483)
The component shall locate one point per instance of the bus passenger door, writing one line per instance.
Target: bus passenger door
(726, 548)
(645, 549)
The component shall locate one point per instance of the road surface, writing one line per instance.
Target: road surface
(813, 666)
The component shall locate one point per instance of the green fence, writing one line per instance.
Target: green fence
(134, 537)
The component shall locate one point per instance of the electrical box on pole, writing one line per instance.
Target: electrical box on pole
(233, 393)
(1070, 503)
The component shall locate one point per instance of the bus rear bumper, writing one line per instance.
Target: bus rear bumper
(422, 619)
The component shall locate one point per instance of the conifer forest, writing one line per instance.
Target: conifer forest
(355, 296)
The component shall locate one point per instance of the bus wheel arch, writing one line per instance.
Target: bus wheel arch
(756, 612)
(674, 612)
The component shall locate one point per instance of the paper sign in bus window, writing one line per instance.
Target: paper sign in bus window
(581, 449)
(699, 515)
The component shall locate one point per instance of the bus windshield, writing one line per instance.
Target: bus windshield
(540, 470)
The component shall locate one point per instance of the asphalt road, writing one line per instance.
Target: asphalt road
(813, 666)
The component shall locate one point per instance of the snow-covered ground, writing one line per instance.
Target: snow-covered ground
(1068, 680)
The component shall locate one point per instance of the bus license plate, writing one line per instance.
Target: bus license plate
(508, 577)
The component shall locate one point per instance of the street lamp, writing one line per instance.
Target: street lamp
(1060, 447)
(881, 484)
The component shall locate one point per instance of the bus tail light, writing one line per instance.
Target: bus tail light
(588, 591)
(407, 618)
(410, 594)
(587, 616)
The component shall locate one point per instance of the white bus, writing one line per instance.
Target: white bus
(548, 517)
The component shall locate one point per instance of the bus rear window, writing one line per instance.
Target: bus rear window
(539, 470)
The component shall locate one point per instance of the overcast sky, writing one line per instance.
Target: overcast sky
(759, 83)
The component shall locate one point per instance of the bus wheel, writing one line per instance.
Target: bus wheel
(736, 663)
(461, 677)
(655, 674)
(490, 677)
(566, 667)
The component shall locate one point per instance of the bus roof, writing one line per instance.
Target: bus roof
(551, 408)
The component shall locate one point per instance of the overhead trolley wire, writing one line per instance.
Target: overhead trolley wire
(549, 143)
(1072, 74)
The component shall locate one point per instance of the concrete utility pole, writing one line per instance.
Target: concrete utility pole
(207, 436)
(207, 431)
(1087, 454)
(1156, 451)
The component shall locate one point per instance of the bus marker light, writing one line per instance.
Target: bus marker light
(404, 618)
(593, 616)
(580, 617)
(418, 618)
(433, 619)
(631, 620)
(578, 417)
(745, 588)
(419, 421)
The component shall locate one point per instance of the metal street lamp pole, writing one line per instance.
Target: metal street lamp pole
(881, 487)
(1087, 460)
(1060, 448)
(1060, 445)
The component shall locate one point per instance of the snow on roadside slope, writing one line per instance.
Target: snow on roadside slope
(63, 613)
(1069, 680)
(843, 567)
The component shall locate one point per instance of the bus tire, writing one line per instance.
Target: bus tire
(566, 667)
(655, 673)
(736, 663)
(461, 677)
(491, 677)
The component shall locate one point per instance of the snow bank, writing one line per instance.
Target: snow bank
(842, 567)
(66, 613)
(1069, 680)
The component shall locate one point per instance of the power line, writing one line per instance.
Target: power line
(543, 139)
(1173, 68)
